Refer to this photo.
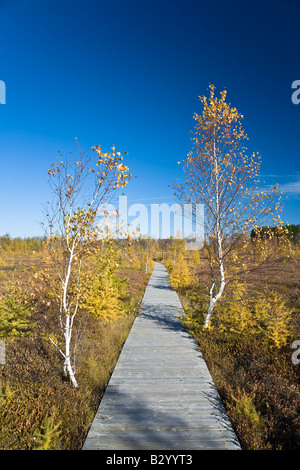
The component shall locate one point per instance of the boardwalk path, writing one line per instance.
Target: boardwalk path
(160, 395)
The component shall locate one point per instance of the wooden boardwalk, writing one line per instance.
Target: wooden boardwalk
(161, 395)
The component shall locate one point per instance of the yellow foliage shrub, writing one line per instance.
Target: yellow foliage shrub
(274, 319)
(181, 275)
(267, 317)
(133, 258)
(237, 316)
(49, 436)
(196, 257)
(103, 296)
(246, 409)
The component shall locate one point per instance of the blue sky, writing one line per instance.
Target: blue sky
(129, 73)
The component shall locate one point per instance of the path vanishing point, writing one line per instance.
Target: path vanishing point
(161, 395)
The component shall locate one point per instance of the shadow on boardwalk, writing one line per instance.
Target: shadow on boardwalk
(169, 318)
(127, 422)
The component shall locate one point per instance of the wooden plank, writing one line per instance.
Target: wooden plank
(161, 395)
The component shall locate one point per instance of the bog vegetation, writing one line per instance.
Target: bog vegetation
(39, 409)
(247, 347)
(68, 300)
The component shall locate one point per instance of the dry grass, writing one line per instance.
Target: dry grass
(37, 404)
(259, 385)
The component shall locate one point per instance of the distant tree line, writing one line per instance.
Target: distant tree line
(17, 244)
(291, 231)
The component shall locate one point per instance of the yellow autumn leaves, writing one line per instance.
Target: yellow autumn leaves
(112, 161)
(267, 317)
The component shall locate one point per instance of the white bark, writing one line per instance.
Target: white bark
(213, 299)
(67, 319)
(67, 365)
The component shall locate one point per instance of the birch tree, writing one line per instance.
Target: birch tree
(219, 173)
(80, 185)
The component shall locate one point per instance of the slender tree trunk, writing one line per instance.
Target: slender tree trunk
(67, 364)
(67, 329)
(213, 299)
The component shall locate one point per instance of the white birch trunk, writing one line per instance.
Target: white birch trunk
(67, 364)
(213, 299)
(67, 329)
